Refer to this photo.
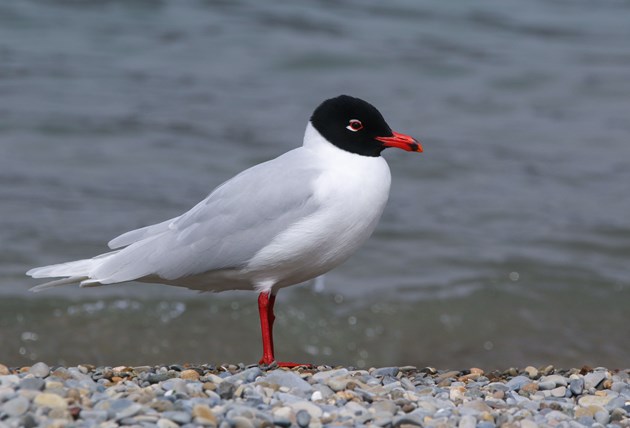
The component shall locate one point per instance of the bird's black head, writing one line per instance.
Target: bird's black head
(358, 127)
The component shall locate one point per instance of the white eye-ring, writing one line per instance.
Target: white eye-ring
(354, 125)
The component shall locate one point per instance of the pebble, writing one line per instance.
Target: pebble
(557, 380)
(385, 371)
(576, 386)
(467, 421)
(303, 418)
(39, 370)
(593, 400)
(591, 380)
(288, 379)
(531, 371)
(237, 396)
(33, 383)
(178, 416)
(15, 407)
(559, 391)
(166, 423)
(517, 382)
(53, 401)
(189, 375)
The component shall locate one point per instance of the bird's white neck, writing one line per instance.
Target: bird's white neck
(313, 140)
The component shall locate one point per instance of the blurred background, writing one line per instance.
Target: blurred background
(506, 243)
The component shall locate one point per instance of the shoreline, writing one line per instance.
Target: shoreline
(251, 396)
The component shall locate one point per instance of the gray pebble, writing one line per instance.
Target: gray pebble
(9, 380)
(385, 406)
(547, 385)
(177, 416)
(129, 411)
(160, 377)
(303, 418)
(240, 422)
(34, 383)
(385, 371)
(602, 417)
(226, 390)
(16, 406)
(499, 386)
(591, 380)
(556, 379)
(618, 414)
(97, 415)
(576, 386)
(39, 369)
(559, 391)
(517, 382)
(248, 375)
(409, 419)
(323, 375)
(281, 421)
(290, 380)
(174, 384)
(467, 421)
(28, 421)
(166, 423)
(615, 403)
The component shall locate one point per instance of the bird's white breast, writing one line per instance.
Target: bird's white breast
(351, 192)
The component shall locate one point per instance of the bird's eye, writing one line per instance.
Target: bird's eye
(354, 125)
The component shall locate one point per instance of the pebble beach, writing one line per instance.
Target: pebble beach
(251, 396)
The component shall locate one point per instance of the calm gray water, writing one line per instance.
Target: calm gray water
(506, 243)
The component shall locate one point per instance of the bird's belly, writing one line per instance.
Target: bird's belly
(320, 242)
(306, 252)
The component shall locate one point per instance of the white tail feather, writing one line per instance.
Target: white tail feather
(55, 283)
(74, 272)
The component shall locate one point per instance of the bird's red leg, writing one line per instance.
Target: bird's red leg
(266, 300)
(265, 309)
